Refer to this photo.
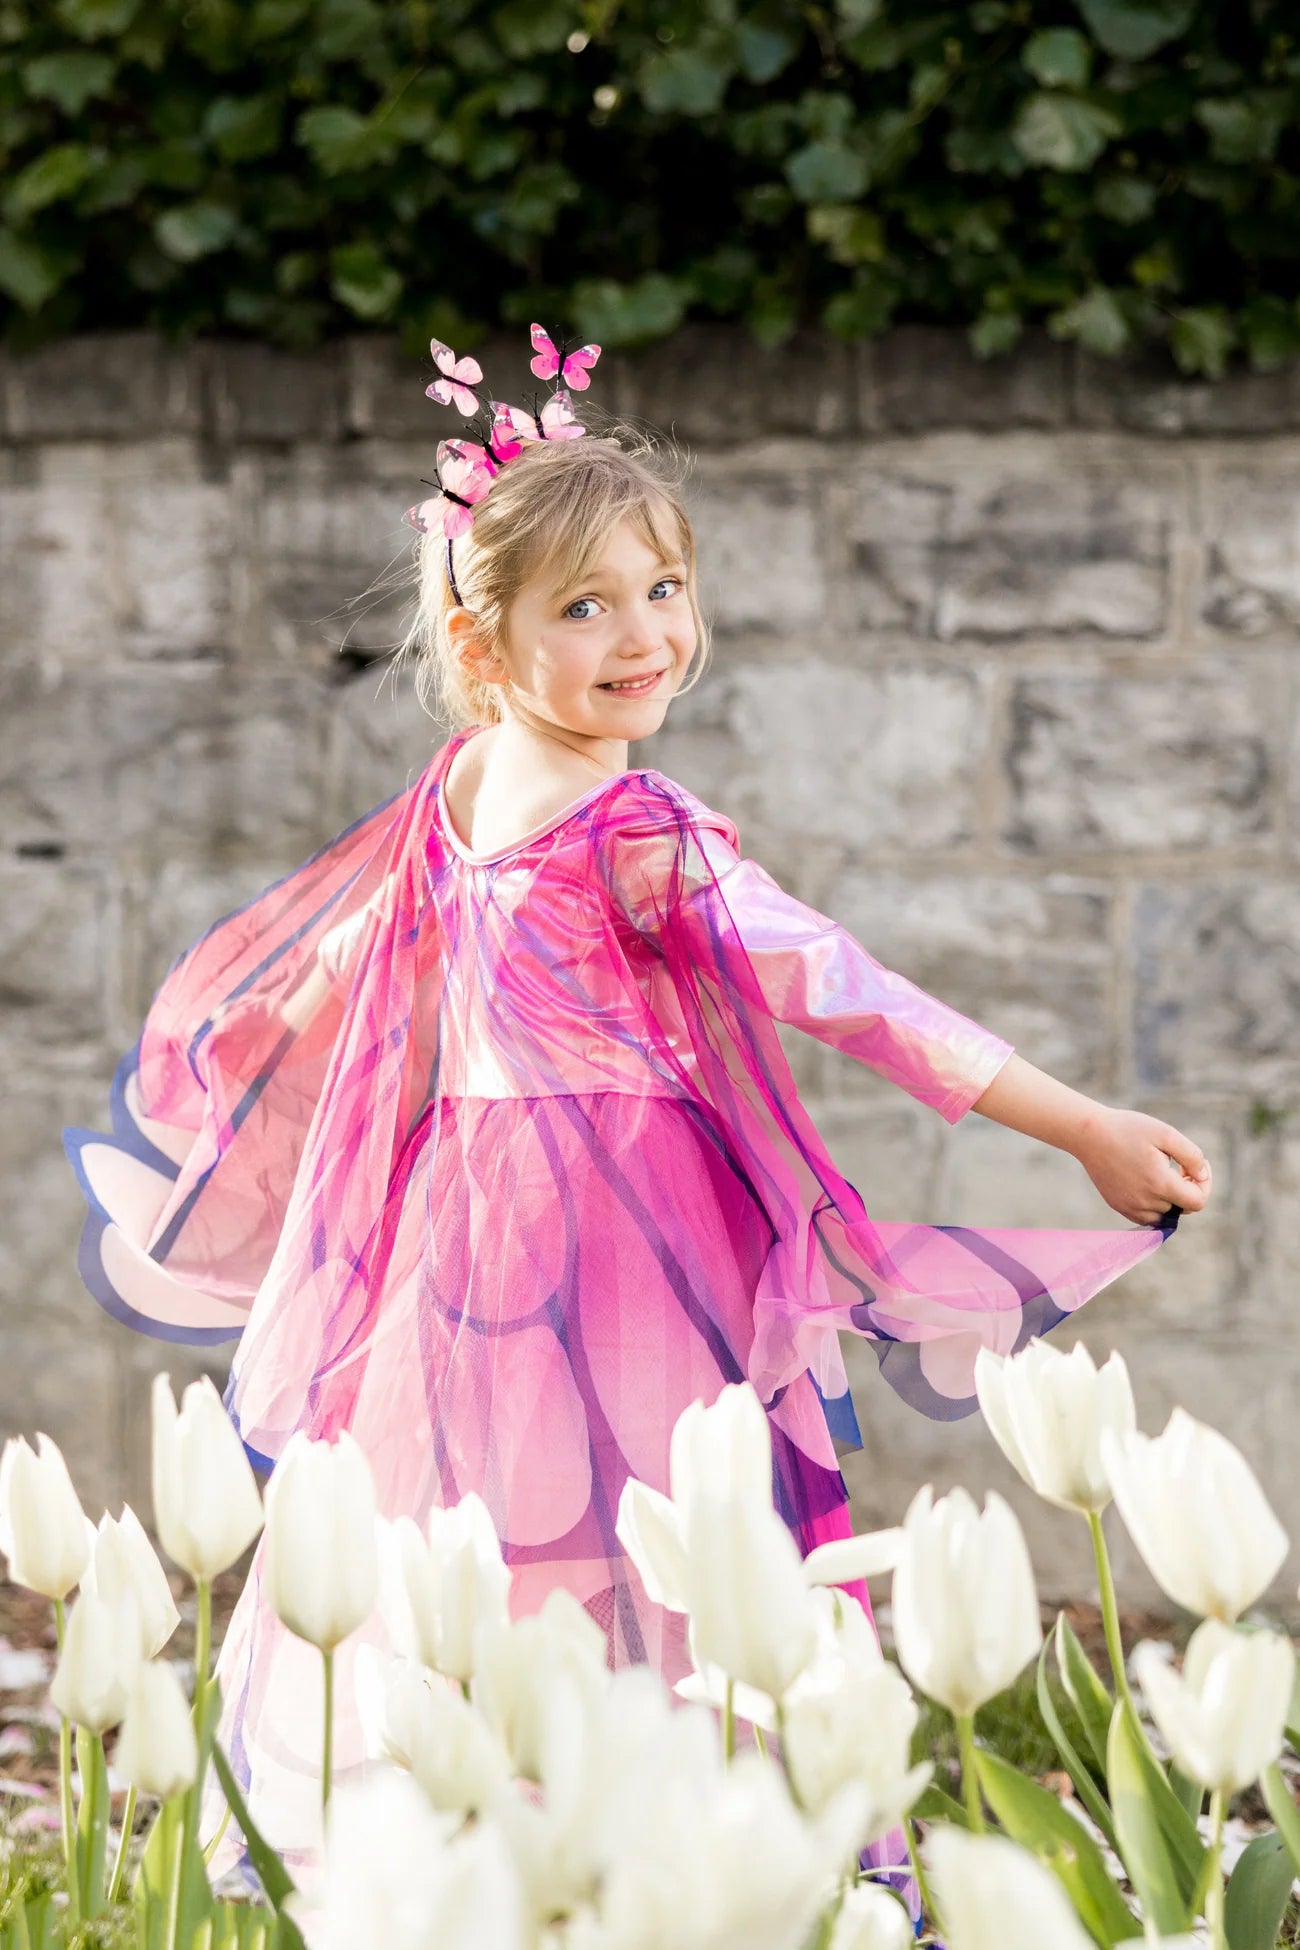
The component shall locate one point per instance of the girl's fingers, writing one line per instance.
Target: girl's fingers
(1185, 1155)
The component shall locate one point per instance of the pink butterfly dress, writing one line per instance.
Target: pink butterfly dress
(495, 1159)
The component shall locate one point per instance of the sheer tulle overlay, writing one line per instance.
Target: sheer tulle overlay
(496, 1160)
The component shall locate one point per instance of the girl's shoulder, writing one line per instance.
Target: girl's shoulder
(651, 805)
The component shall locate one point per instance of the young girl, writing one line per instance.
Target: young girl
(477, 1132)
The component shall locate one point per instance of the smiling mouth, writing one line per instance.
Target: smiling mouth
(635, 687)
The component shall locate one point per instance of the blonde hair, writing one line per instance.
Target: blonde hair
(548, 514)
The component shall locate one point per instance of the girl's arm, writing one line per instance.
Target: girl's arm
(1139, 1164)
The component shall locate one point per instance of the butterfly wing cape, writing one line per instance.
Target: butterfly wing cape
(266, 1174)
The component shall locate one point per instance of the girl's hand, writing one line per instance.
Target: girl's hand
(1142, 1166)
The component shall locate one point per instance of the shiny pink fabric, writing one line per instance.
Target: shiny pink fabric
(497, 1161)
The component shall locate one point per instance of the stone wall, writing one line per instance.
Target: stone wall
(1005, 679)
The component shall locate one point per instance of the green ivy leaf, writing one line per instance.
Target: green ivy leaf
(620, 314)
(194, 230)
(1096, 320)
(1058, 57)
(763, 51)
(827, 172)
(1201, 338)
(1125, 199)
(28, 274)
(70, 79)
(1132, 31)
(528, 27)
(995, 332)
(363, 279)
(243, 127)
(52, 178)
(864, 311)
(94, 20)
(1271, 329)
(851, 234)
(1245, 129)
(1063, 132)
(683, 81)
(339, 139)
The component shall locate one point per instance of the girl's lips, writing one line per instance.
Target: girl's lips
(633, 690)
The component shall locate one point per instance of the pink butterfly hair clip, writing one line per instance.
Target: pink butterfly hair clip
(466, 468)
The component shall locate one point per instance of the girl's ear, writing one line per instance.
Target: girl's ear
(475, 658)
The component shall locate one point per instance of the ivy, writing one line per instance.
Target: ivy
(1118, 171)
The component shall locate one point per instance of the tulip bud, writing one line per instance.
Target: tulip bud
(205, 1498)
(871, 1919)
(1046, 1411)
(965, 1612)
(649, 1527)
(424, 1723)
(321, 1575)
(156, 1749)
(1197, 1514)
(724, 1449)
(123, 1559)
(750, 1604)
(437, 1590)
(994, 1895)
(1224, 1717)
(43, 1529)
(99, 1661)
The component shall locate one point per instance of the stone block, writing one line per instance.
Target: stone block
(51, 788)
(1252, 571)
(208, 769)
(1030, 959)
(1217, 986)
(1141, 763)
(53, 937)
(172, 531)
(894, 519)
(61, 1376)
(1045, 539)
(927, 376)
(703, 385)
(103, 386)
(167, 913)
(331, 560)
(855, 762)
(888, 1146)
(1264, 1302)
(759, 550)
(1143, 393)
(380, 739)
(257, 392)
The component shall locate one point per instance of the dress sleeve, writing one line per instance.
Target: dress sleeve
(814, 974)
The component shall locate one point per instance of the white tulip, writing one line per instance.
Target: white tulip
(1198, 1516)
(123, 1559)
(100, 1659)
(850, 1716)
(649, 1527)
(994, 1895)
(395, 1878)
(321, 1575)
(965, 1613)
(724, 1449)
(750, 1604)
(867, 1556)
(871, 1919)
(156, 1750)
(440, 1588)
(1224, 1717)
(43, 1529)
(424, 1723)
(1046, 1410)
(205, 1498)
(517, 1665)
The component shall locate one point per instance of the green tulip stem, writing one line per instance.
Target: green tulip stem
(65, 1783)
(124, 1842)
(922, 1879)
(761, 1739)
(729, 1721)
(327, 1765)
(1214, 1905)
(177, 1866)
(1110, 1613)
(202, 1648)
(970, 1786)
(790, 1781)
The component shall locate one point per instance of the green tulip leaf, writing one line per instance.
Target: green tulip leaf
(1084, 1690)
(1293, 1712)
(1035, 1818)
(277, 1883)
(1075, 1767)
(1190, 1793)
(1258, 1889)
(1281, 1805)
(935, 1804)
(92, 1821)
(1158, 1842)
(1132, 29)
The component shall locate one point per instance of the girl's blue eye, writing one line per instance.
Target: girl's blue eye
(574, 605)
(666, 581)
(671, 583)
